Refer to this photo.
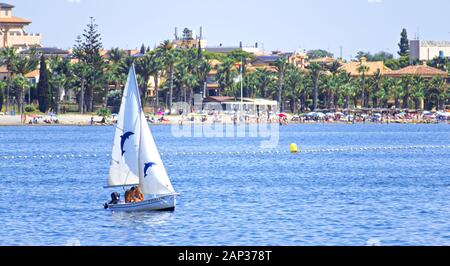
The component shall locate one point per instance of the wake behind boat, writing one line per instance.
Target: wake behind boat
(135, 160)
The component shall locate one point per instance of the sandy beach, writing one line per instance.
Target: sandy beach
(66, 119)
(85, 120)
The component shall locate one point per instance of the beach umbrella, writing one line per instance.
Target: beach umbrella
(282, 115)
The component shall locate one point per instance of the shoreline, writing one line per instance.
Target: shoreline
(85, 120)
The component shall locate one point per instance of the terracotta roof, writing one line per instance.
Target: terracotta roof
(352, 67)
(421, 70)
(32, 74)
(15, 20)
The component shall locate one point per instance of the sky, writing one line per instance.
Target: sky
(286, 25)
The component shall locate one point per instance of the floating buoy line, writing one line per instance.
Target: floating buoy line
(293, 150)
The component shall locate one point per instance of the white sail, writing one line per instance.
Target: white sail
(153, 179)
(135, 149)
(124, 168)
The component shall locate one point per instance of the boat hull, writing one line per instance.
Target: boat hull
(161, 203)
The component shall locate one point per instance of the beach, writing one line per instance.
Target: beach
(85, 120)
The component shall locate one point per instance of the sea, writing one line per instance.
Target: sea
(350, 185)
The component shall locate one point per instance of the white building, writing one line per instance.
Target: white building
(12, 30)
(428, 50)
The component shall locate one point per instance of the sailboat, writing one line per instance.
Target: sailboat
(135, 160)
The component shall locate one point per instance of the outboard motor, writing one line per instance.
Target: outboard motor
(115, 198)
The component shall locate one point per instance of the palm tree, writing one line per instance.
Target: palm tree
(20, 83)
(202, 71)
(315, 73)
(170, 57)
(437, 89)
(395, 91)
(116, 55)
(2, 93)
(406, 90)
(265, 81)
(60, 77)
(8, 57)
(362, 70)
(375, 81)
(418, 90)
(149, 66)
(23, 65)
(295, 86)
(81, 70)
(281, 66)
(226, 72)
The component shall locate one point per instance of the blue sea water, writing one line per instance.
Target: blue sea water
(392, 197)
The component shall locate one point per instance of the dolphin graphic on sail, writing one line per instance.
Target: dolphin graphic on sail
(124, 138)
(147, 166)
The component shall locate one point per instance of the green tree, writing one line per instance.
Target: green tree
(404, 44)
(407, 82)
(226, 72)
(81, 70)
(87, 49)
(362, 70)
(169, 57)
(281, 65)
(23, 65)
(43, 87)
(438, 91)
(265, 82)
(315, 73)
(418, 90)
(21, 84)
(2, 93)
(319, 53)
(376, 90)
(8, 57)
(150, 65)
(61, 75)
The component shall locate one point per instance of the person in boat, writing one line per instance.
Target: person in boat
(137, 195)
(129, 195)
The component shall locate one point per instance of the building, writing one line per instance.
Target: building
(49, 52)
(229, 105)
(423, 71)
(428, 50)
(12, 30)
(373, 67)
(255, 50)
(298, 59)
